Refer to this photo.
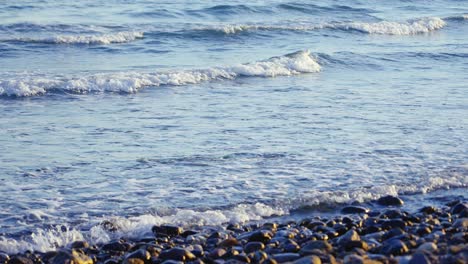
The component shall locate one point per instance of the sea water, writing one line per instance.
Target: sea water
(138, 113)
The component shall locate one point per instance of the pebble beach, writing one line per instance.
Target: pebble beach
(356, 235)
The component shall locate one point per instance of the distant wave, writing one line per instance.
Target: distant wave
(131, 82)
(103, 39)
(420, 26)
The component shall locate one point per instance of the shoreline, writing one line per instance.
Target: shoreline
(358, 234)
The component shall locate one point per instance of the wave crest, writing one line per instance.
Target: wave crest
(131, 82)
(103, 39)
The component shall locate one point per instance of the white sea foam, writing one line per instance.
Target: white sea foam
(103, 39)
(131, 82)
(420, 26)
(394, 28)
(135, 227)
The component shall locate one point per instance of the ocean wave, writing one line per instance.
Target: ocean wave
(43, 240)
(420, 26)
(102, 39)
(458, 17)
(131, 82)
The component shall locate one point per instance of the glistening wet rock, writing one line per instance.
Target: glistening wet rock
(390, 200)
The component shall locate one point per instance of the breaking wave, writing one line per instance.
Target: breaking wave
(420, 26)
(102, 39)
(132, 82)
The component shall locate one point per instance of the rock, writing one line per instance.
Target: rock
(20, 260)
(394, 247)
(242, 257)
(390, 200)
(356, 244)
(428, 246)
(188, 233)
(115, 246)
(178, 254)
(461, 223)
(428, 210)
(392, 223)
(310, 247)
(4, 258)
(419, 258)
(139, 254)
(170, 261)
(229, 242)
(291, 246)
(253, 246)
(261, 236)
(458, 208)
(286, 257)
(351, 235)
(423, 230)
(354, 210)
(80, 244)
(133, 261)
(74, 257)
(217, 253)
(308, 260)
(167, 230)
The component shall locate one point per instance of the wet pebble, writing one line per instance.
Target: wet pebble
(390, 200)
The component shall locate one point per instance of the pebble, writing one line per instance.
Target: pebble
(178, 254)
(419, 258)
(310, 247)
(253, 246)
(354, 210)
(428, 246)
(390, 200)
(309, 260)
(168, 230)
(20, 260)
(4, 258)
(394, 247)
(461, 223)
(431, 235)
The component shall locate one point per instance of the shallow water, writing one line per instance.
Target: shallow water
(144, 113)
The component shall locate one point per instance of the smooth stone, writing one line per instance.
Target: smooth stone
(188, 233)
(178, 254)
(394, 247)
(458, 208)
(133, 261)
(115, 246)
(428, 246)
(139, 254)
(261, 236)
(286, 257)
(419, 258)
(242, 257)
(423, 230)
(20, 260)
(308, 260)
(310, 247)
(171, 261)
(390, 200)
(229, 242)
(80, 244)
(74, 257)
(253, 246)
(428, 210)
(354, 210)
(217, 253)
(461, 223)
(4, 258)
(291, 246)
(356, 244)
(168, 230)
(195, 239)
(392, 223)
(349, 236)
(258, 257)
